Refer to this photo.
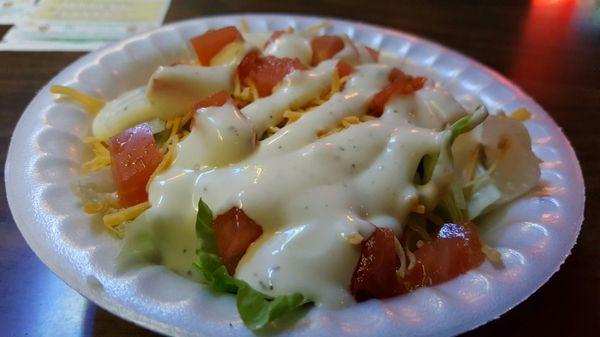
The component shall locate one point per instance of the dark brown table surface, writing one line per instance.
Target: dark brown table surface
(550, 48)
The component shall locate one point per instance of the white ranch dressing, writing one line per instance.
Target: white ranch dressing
(308, 194)
(349, 53)
(296, 90)
(232, 54)
(171, 91)
(291, 45)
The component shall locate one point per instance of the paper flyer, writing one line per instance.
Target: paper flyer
(11, 11)
(82, 25)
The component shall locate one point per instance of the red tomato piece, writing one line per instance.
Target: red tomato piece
(456, 250)
(344, 69)
(325, 47)
(374, 53)
(375, 273)
(248, 63)
(396, 75)
(134, 157)
(210, 43)
(216, 99)
(276, 34)
(400, 84)
(267, 72)
(235, 231)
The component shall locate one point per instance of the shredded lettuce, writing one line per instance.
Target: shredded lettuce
(500, 167)
(467, 123)
(452, 204)
(256, 309)
(485, 195)
(162, 136)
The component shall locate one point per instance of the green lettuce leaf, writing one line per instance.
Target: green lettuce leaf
(215, 274)
(256, 309)
(205, 229)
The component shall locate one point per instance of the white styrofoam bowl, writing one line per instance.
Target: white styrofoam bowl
(534, 235)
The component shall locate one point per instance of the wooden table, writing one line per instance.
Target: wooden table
(550, 48)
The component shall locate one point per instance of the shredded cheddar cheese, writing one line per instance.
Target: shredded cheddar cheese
(253, 90)
(521, 114)
(94, 208)
(244, 26)
(176, 124)
(292, 116)
(355, 238)
(419, 209)
(91, 104)
(272, 130)
(241, 95)
(101, 155)
(336, 86)
(101, 206)
(126, 214)
(492, 255)
(168, 156)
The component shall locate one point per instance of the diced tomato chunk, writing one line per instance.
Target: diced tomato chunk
(456, 250)
(235, 231)
(134, 157)
(210, 43)
(375, 273)
(325, 47)
(216, 99)
(266, 72)
(400, 84)
(247, 64)
(344, 69)
(276, 34)
(396, 75)
(374, 53)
